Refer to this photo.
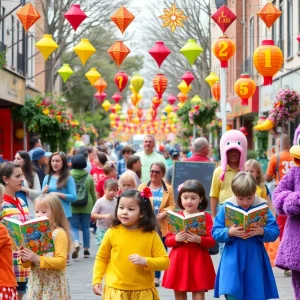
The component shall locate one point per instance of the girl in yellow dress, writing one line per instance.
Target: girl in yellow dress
(131, 251)
(48, 278)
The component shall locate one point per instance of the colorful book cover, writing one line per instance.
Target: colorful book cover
(34, 234)
(194, 223)
(237, 216)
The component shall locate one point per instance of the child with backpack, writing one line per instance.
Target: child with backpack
(82, 207)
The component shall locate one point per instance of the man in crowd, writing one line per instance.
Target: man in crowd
(175, 155)
(121, 164)
(40, 161)
(200, 150)
(34, 143)
(149, 156)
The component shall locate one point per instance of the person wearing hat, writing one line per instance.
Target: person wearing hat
(175, 155)
(81, 215)
(40, 161)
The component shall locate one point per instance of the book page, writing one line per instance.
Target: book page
(14, 232)
(196, 224)
(257, 216)
(175, 223)
(234, 217)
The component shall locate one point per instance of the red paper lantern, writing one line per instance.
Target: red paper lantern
(98, 97)
(28, 15)
(244, 130)
(224, 17)
(153, 113)
(172, 99)
(160, 83)
(116, 97)
(188, 77)
(121, 80)
(156, 101)
(118, 51)
(122, 18)
(224, 49)
(298, 38)
(140, 113)
(100, 85)
(216, 90)
(75, 15)
(159, 52)
(245, 88)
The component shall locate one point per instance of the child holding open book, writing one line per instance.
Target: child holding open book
(191, 268)
(48, 278)
(245, 272)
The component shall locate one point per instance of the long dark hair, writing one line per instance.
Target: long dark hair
(193, 186)
(6, 170)
(148, 221)
(64, 172)
(27, 168)
(102, 157)
(133, 159)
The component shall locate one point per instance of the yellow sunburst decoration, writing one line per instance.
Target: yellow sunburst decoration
(173, 17)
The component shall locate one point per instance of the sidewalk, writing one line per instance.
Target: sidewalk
(80, 279)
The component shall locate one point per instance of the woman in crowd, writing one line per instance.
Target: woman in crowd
(134, 167)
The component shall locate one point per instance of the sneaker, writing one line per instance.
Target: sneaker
(86, 254)
(287, 273)
(75, 251)
(156, 282)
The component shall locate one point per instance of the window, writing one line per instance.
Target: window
(251, 45)
(12, 40)
(3, 25)
(18, 37)
(281, 27)
(290, 28)
(274, 34)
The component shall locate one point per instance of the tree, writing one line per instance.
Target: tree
(197, 27)
(55, 24)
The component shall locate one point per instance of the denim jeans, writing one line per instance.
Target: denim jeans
(157, 273)
(81, 221)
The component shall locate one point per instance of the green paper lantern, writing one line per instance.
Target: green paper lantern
(191, 50)
(65, 72)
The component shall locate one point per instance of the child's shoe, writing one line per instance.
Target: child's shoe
(75, 251)
(86, 253)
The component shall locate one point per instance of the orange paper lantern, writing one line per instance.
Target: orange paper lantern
(182, 97)
(118, 51)
(269, 14)
(122, 18)
(160, 83)
(245, 88)
(224, 49)
(216, 91)
(268, 60)
(100, 85)
(28, 15)
(140, 112)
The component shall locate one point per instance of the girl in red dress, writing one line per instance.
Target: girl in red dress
(191, 268)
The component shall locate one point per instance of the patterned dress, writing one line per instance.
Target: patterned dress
(48, 284)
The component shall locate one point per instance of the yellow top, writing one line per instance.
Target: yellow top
(112, 259)
(222, 189)
(261, 191)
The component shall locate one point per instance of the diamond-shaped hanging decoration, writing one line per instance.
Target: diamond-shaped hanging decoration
(118, 51)
(269, 14)
(159, 52)
(28, 15)
(224, 17)
(122, 18)
(75, 15)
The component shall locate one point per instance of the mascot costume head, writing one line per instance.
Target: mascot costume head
(233, 139)
(295, 150)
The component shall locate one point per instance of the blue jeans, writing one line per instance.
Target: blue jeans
(81, 221)
(157, 273)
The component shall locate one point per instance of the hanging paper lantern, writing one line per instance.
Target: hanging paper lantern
(65, 72)
(268, 60)
(118, 107)
(135, 99)
(159, 52)
(136, 120)
(156, 101)
(269, 14)
(245, 88)
(116, 97)
(100, 97)
(168, 109)
(106, 105)
(191, 50)
(75, 15)
(182, 98)
(118, 51)
(112, 116)
(129, 112)
(212, 78)
(92, 75)
(100, 85)
(196, 100)
(224, 49)
(180, 104)
(122, 18)
(298, 38)
(153, 114)
(121, 80)
(46, 45)
(140, 112)
(160, 84)
(216, 90)
(84, 50)
(137, 82)
(28, 15)
(224, 17)
(184, 88)
(171, 99)
(188, 77)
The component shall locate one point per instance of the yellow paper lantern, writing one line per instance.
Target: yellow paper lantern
(212, 78)
(92, 75)
(46, 45)
(180, 104)
(106, 105)
(168, 108)
(137, 82)
(65, 72)
(163, 118)
(113, 123)
(136, 120)
(84, 50)
(117, 107)
(184, 88)
(172, 115)
(196, 100)
(113, 116)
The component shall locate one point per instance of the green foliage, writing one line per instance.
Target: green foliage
(262, 141)
(2, 59)
(251, 154)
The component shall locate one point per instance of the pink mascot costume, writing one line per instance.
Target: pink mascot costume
(286, 200)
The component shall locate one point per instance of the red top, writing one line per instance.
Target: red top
(197, 157)
(97, 174)
(100, 185)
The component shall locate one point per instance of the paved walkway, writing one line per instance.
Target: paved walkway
(80, 279)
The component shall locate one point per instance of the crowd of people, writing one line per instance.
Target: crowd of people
(123, 197)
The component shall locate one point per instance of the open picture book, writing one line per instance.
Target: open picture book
(237, 216)
(194, 223)
(34, 234)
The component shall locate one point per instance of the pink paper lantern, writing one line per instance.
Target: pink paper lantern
(75, 15)
(172, 99)
(159, 52)
(188, 77)
(117, 97)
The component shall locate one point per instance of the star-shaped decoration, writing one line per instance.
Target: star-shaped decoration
(173, 17)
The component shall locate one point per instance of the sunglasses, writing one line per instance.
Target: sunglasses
(155, 172)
